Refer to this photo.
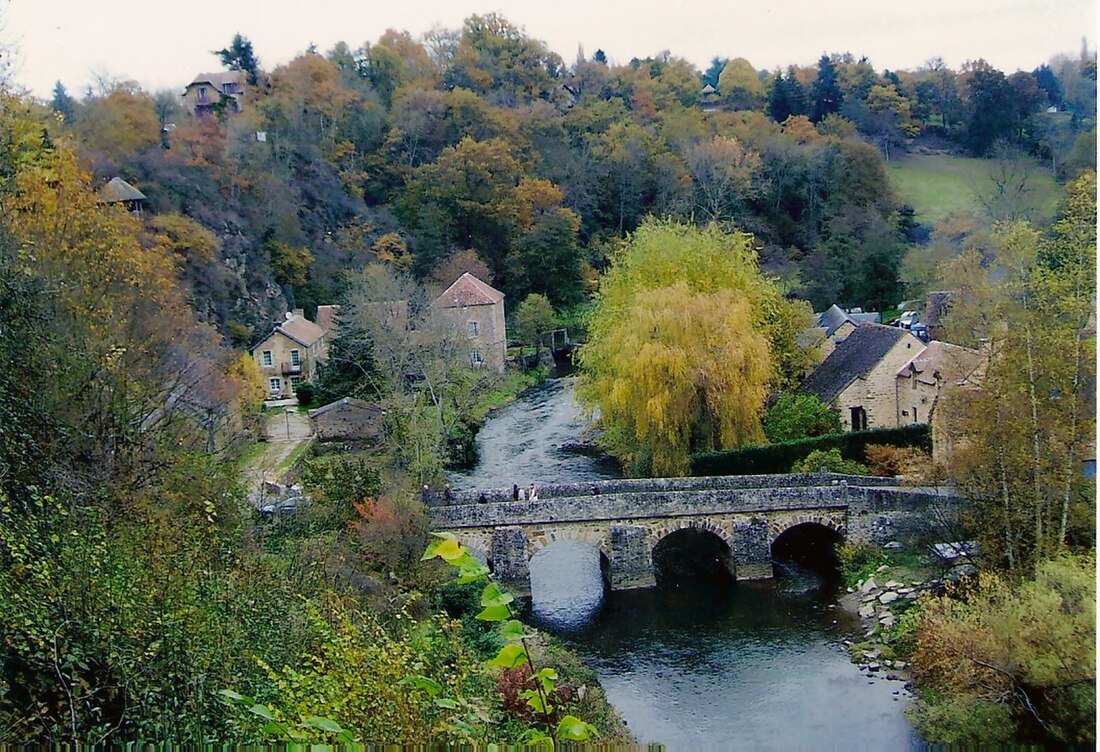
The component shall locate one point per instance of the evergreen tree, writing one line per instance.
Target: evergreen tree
(239, 56)
(825, 95)
(62, 103)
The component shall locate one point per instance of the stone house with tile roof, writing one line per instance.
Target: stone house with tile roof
(476, 311)
(859, 376)
(290, 354)
(208, 92)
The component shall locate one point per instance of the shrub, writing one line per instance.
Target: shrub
(800, 416)
(1020, 655)
(858, 560)
(828, 460)
(391, 533)
(778, 458)
(306, 393)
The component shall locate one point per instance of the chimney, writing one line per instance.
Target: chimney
(299, 313)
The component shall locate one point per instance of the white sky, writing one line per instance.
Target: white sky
(163, 43)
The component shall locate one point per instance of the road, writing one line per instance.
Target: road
(286, 429)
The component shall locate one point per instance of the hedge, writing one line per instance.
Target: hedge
(778, 458)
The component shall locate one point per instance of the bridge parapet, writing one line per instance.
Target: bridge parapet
(638, 485)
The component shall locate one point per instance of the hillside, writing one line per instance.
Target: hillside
(938, 184)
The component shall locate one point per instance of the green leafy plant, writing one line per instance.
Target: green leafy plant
(497, 606)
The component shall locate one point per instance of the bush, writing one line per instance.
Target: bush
(1021, 655)
(800, 416)
(306, 393)
(829, 460)
(778, 458)
(859, 560)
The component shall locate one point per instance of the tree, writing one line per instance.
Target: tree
(786, 97)
(740, 85)
(799, 416)
(1011, 659)
(722, 171)
(825, 95)
(532, 318)
(239, 56)
(684, 344)
(62, 103)
(1021, 438)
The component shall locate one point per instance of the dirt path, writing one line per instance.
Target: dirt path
(286, 430)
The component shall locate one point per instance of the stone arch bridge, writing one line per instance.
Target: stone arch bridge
(626, 519)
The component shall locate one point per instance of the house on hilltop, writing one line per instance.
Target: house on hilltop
(209, 92)
(477, 311)
(291, 354)
(859, 376)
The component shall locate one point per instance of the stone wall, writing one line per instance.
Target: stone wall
(635, 485)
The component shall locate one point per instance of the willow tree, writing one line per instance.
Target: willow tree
(685, 343)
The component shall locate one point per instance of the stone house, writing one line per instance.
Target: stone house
(207, 92)
(835, 324)
(290, 354)
(859, 377)
(476, 310)
(348, 420)
(936, 369)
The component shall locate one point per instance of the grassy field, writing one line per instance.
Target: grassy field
(938, 184)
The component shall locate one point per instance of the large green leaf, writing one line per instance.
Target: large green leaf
(495, 613)
(492, 595)
(574, 729)
(546, 677)
(512, 631)
(322, 724)
(510, 656)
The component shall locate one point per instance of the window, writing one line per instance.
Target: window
(267, 359)
(230, 87)
(859, 419)
(202, 93)
(295, 358)
(476, 358)
(276, 384)
(915, 418)
(472, 328)
(294, 381)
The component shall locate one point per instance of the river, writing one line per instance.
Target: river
(692, 666)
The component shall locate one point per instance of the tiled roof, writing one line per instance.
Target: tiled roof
(468, 290)
(301, 330)
(831, 319)
(852, 359)
(118, 190)
(953, 363)
(218, 79)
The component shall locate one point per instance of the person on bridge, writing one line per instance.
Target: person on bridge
(515, 492)
(534, 494)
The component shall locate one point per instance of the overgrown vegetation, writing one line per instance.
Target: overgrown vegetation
(782, 456)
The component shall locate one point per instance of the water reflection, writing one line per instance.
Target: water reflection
(568, 584)
(746, 667)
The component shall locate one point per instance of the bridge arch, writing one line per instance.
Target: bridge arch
(691, 553)
(808, 546)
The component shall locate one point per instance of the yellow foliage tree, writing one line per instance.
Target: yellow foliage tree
(686, 341)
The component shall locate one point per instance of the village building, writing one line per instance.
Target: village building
(290, 354)
(859, 376)
(118, 191)
(476, 310)
(924, 383)
(348, 420)
(209, 92)
(835, 324)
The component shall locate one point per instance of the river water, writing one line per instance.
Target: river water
(695, 665)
